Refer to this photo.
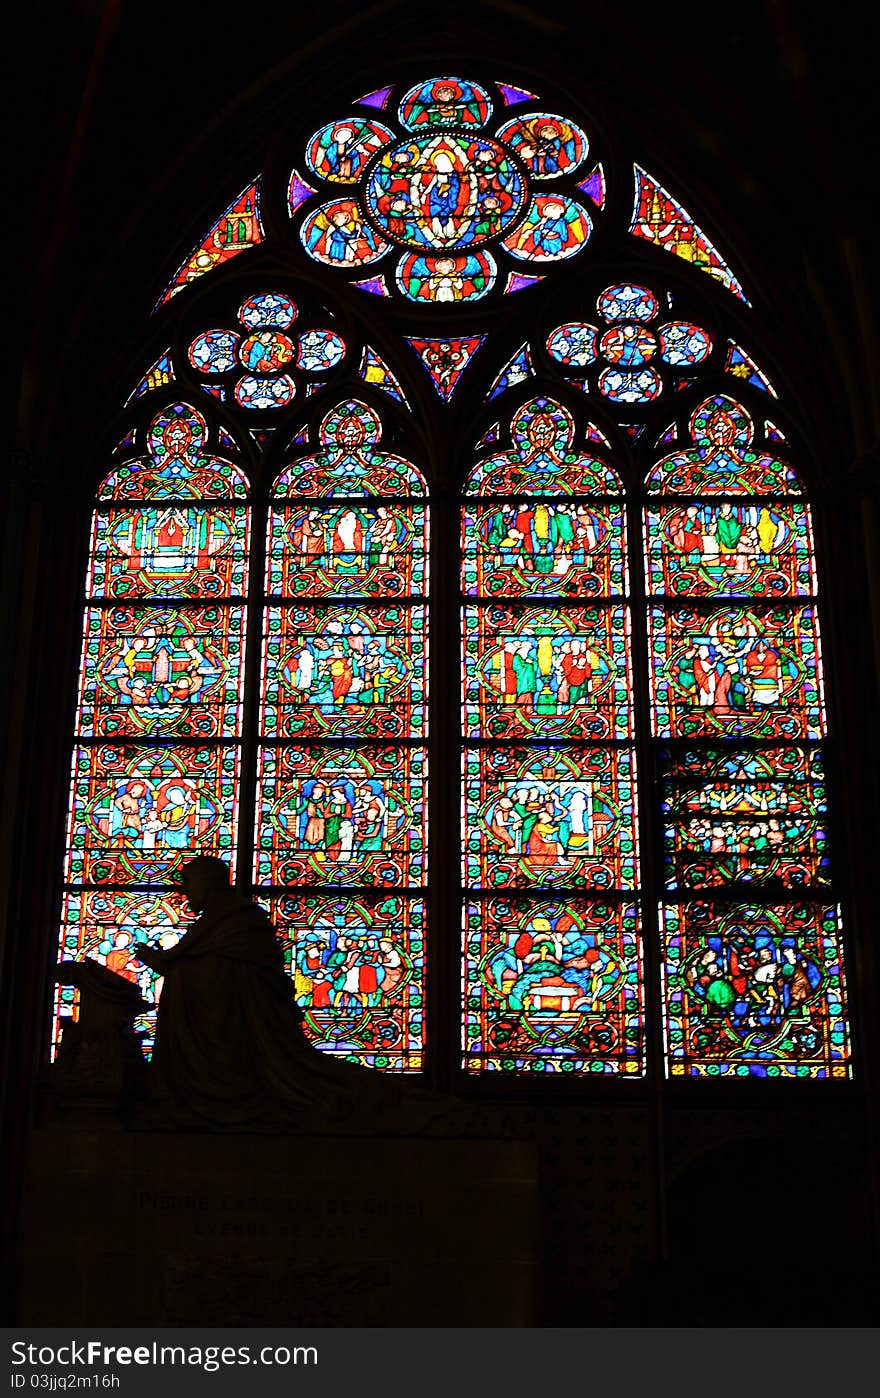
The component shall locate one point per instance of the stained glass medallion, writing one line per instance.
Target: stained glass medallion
(552, 986)
(754, 990)
(537, 817)
(546, 673)
(346, 816)
(138, 813)
(519, 548)
(736, 671)
(717, 547)
(733, 816)
(358, 969)
(344, 673)
(161, 671)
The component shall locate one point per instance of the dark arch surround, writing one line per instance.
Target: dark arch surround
(89, 345)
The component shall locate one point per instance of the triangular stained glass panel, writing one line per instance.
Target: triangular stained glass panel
(237, 229)
(225, 439)
(594, 187)
(157, 377)
(660, 219)
(262, 438)
(216, 390)
(516, 281)
(683, 383)
(633, 430)
(516, 370)
(774, 433)
(127, 441)
(668, 436)
(378, 99)
(301, 437)
(743, 367)
(592, 434)
(491, 436)
(374, 370)
(446, 360)
(298, 192)
(375, 285)
(513, 95)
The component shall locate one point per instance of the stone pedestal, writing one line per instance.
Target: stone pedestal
(168, 1229)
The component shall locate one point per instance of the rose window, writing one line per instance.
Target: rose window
(443, 203)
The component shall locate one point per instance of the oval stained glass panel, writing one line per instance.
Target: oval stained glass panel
(627, 302)
(628, 345)
(554, 228)
(633, 386)
(340, 150)
(683, 344)
(573, 344)
(213, 352)
(446, 279)
(547, 145)
(266, 351)
(251, 392)
(337, 235)
(445, 102)
(269, 308)
(318, 350)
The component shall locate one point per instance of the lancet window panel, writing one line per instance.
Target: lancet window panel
(753, 986)
(343, 807)
(156, 768)
(549, 793)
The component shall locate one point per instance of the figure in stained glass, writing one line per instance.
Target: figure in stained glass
(754, 991)
(446, 279)
(521, 547)
(340, 151)
(548, 145)
(354, 817)
(541, 816)
(760, 550)
(554, 228)
(149, 670)
(344, 673)
(352, 550)
(552, 986)
(358, 966)
(337, 234)
(755, 817)
(444, 102)
(549, 673)
(738, 672)
(444, 192)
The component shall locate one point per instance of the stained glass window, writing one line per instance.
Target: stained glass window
(552, 981)
(637, 577)
(342, 778)
(156, 767)
(751, 988)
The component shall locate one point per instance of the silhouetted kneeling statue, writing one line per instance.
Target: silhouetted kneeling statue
(230, 1050)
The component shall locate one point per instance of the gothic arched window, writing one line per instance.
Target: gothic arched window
(452, 291)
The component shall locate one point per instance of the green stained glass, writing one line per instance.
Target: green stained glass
(552, 986)
(754, 990)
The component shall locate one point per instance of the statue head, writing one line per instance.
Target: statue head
(202, 876)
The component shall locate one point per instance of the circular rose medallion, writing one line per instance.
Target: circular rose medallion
(214, 351)
(446, 191)
(268, 308)
(555, 227)
(547, 145)
(266, 351)
(630, 345)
